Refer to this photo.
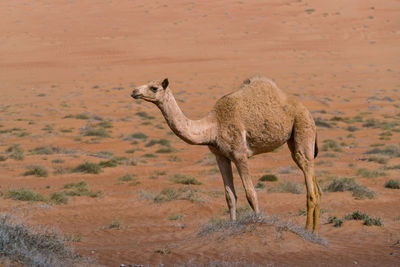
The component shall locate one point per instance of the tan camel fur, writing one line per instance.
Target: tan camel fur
(257, 118)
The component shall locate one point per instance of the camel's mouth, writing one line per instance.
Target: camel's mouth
(136, 96)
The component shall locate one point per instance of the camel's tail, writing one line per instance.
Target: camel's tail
(316, 147)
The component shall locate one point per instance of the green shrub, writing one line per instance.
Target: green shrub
(126, 178)
(373, 221)
(268, 178)
(138, 135)
(144, 115)
(167, 194)
(174, 217)
(392, 183)
(87, 167)
(356, 215)
(330, 144)
(100, 132)
(364, 172)
(379, 160)
(24, 195)
(58, 198)
(349, 184)
(288, 187)
(260, 185)
(184, 179)
(391, 150)
(37, 171)
(80, 189)
(114, 224)
(165, 150)
(163, 142)
(15, 152)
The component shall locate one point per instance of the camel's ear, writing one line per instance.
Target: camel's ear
(165, 83)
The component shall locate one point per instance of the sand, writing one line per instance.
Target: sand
(61, 58)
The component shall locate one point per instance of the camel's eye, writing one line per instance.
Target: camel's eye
(153, 88)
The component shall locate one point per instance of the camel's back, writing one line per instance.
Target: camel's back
(260, 109)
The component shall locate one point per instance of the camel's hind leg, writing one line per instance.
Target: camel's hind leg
(302, 146)
(225, 168)
(243, 169)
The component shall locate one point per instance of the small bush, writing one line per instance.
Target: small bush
(332, 145)
(80, 189)
(34, 246)
(393, 184)
(163, 142)
(373, 221)
(138, 135)
(48, 150)
(268, 178)
(149, 155)
(165, 150)
(260, 185)
(349, 184)
(379, 160)
(58, 198)
(144, 115)
(100, 132)
(24, 195)
(174, 217)
(358, 215)
(15, 152)
(114, 224)
(364, 172)
(391, 150)
(184, 179)
(87, 167)
(167, 194)
(126, 178)
(36, 170)
(288, 187)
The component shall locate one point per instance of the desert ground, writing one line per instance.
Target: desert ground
(67, 69)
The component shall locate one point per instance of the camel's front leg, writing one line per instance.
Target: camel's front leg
(243, 169)
(225, 168)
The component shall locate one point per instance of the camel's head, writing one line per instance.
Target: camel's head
(152, 91)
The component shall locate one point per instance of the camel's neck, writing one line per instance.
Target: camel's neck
(195, 132)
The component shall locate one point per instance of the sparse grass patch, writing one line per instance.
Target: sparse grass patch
(80, 189)
(58, 198)
(287, 187)
(144, 115)
(393, 184)
(364, 172)
(36, 170)
(358, 215)
(184, 179)
(268, 178)
(105, 154)
(87, 167)
(379, 160)
(349, 184)
(48, 150)
(15, 152)
(115, 224)
(394, 167)
(100, 132)
(331, 145)
(182, 193)
(351, 128)
(174, 217)
(34, 246)
(165, 150)
(24, 194)
(391, 150)
(149, 155)
(260, 185)
(163, 142)
(337, 222)
(248, 221)
(138, 135)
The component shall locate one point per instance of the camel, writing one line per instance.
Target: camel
(256, 118)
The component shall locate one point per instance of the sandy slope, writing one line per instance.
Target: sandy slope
(67, 57)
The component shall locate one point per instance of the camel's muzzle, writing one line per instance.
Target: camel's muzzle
(135, 94)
